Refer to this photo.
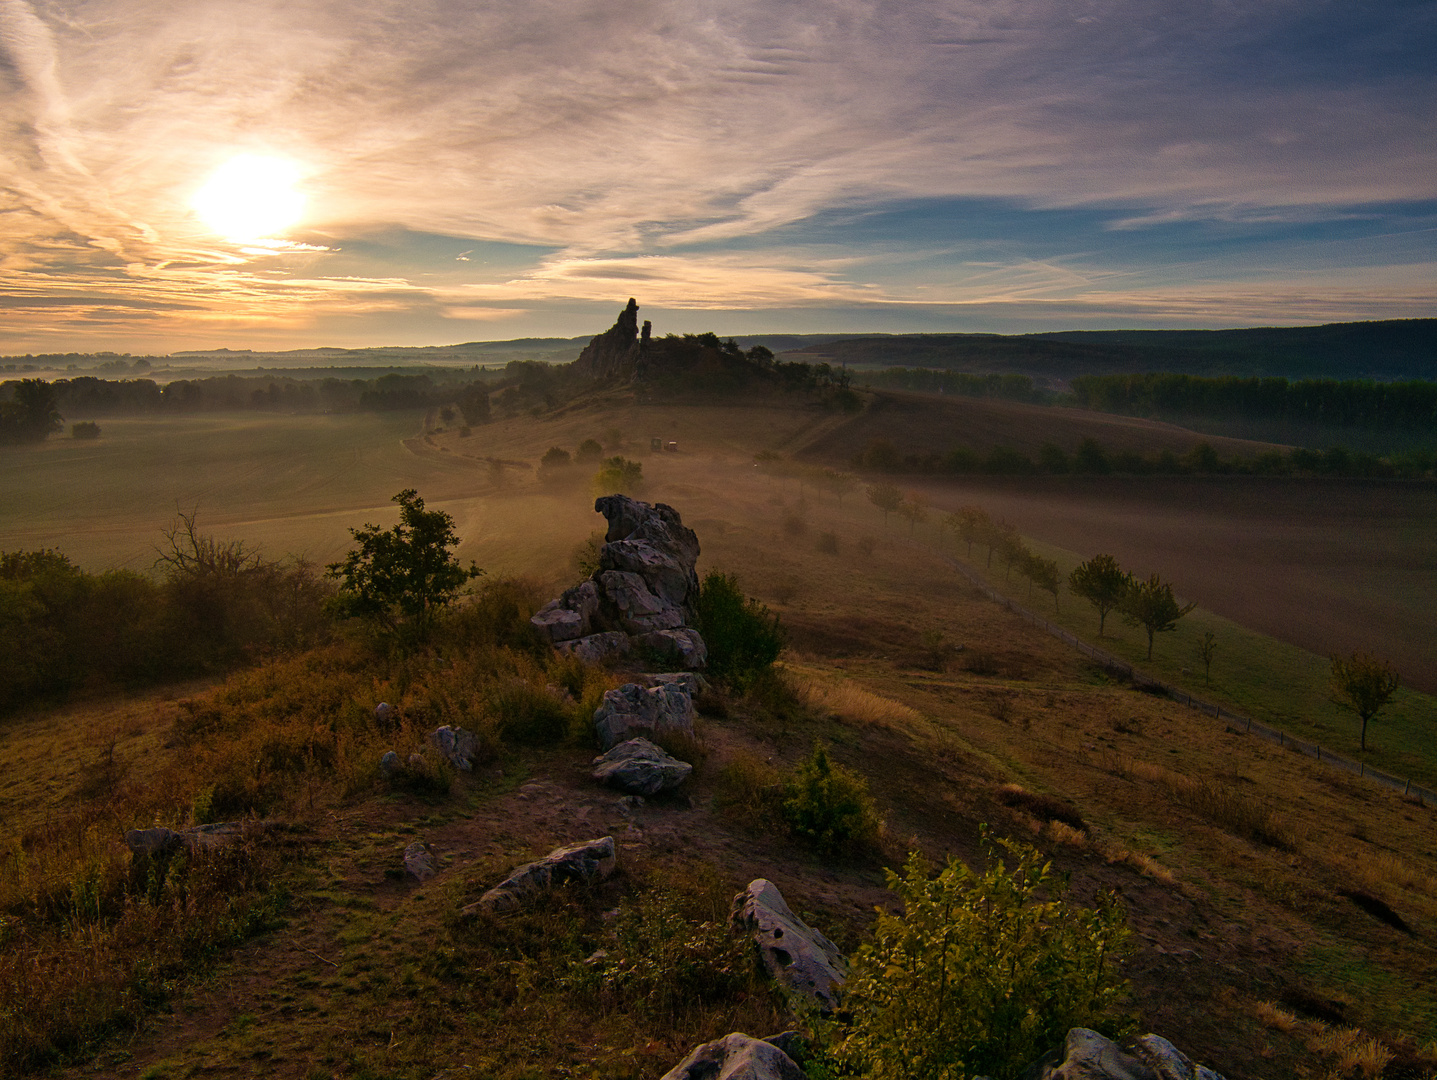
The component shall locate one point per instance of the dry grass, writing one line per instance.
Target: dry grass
(1273, 1016)
(848, 700)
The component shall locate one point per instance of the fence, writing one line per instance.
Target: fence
(1247, 725)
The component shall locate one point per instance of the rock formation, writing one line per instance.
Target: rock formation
(615, 353)
(803, 960)
(632, 711)
(587, 861)
(642, 596)
(1086, 1055)
(736, 1057)
(638, 767)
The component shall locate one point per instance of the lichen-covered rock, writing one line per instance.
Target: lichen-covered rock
(587, 862)
(682, 646)
(736, 1057)
(640, 768)
(802, 959)
(1086, 1055)
(633, 711)
(457, 745)
(645, 589)
(606, 648)
(419, 861)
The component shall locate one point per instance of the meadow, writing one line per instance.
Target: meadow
(1240, 864)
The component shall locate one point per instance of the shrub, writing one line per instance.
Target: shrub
(982, 973)
(743, 637)
(589, 451)
(529, 715)
(829, 806)
(619, 474)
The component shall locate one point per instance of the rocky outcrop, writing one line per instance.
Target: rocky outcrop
(638, 767)
(643, 594)
(586, 862)
(633, 711)
(799, 957)
(615, 353)
(1086, 1055)
(736, 1057)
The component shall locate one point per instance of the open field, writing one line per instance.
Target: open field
(1236, 898)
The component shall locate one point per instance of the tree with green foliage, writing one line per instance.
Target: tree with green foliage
(1011, 549)
(839, 484)
(399, 579)
(1044, 574)
(743, 637)
(980, 974)
(1101, 582)
(886, 497)
(589, 450)
(619, 474)
(829, 805)
(1363, 684)
(1151, 605)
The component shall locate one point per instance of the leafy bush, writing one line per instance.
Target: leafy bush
(981, 974)
(619, 474)
(829, 806)
(743, 637)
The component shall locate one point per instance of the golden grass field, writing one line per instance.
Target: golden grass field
(1237, 861)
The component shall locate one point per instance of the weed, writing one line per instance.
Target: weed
(750, 790)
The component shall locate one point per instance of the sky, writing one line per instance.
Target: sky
(424, 172)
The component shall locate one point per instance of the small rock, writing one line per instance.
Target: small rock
(416, 761)
(457, 745)
(1086, 1055)
(736, 1057)
(587, 862)
(640, 768)
(419, 861)
(389, 763)
(383, 711)
(803, 960)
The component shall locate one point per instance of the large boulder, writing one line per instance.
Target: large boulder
(638, 767)
(645, 590)
(802, 959)
(1086, 1055)
(633, 711)
(586, 862)
(736, 1057)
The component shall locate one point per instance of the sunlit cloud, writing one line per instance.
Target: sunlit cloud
(678, 151)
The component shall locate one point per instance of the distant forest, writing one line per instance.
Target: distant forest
(1396, 349)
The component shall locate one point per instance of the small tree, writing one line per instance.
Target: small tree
(972, 521)
(1364, 684)
(743, 637)
(1205, 649)
(589, 450)
(887, 498)
(913, 509)
(1101, 582)
(398, 579)
(619, 474)
(1151, 605)
(1044, 574)
(981, 974)
(839, 484)
(829, 805)
(1011, 549)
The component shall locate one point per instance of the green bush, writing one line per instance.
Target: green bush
(743, 637)
(981, 974)
(619, 474)
(829, 806)
(529, 715)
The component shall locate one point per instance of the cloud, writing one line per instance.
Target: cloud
(624, 134)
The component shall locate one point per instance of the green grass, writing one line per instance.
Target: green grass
(1253, 675)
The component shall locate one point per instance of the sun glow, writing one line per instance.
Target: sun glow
(251, 198)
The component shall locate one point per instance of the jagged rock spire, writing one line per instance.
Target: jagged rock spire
(615, 352)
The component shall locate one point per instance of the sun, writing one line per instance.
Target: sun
(251, 198)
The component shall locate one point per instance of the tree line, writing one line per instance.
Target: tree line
(1092, 458)
(962, 383)
(1342, 403)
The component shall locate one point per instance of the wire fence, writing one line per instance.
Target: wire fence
(1235, 722)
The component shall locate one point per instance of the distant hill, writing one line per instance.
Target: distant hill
(1395, 349)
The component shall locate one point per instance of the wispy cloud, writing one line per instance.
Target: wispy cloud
(660, 145)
